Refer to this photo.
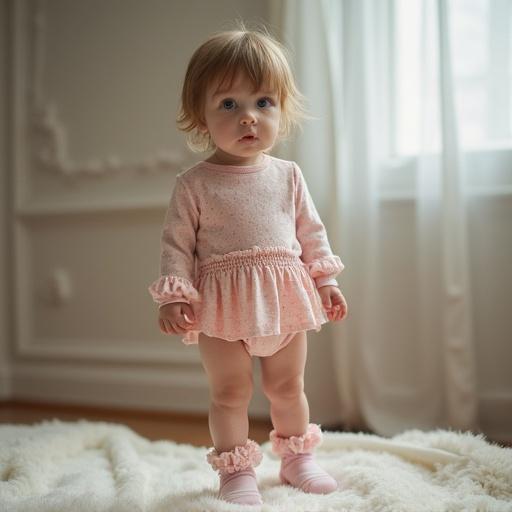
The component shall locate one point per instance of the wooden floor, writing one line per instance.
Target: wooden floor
(181, 428)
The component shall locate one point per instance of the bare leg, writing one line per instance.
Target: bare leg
(229, 370)
(283, 384)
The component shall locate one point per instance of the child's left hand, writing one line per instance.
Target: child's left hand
(334, 303)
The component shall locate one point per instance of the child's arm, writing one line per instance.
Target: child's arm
(322, 264)
(177, 257)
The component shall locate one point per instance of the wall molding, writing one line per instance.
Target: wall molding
(115, 206)
(141, 353)
(39, 138)
(158, 389)
(49, 134)
(50, 152)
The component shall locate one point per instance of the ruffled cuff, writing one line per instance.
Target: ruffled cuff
(297, 444)
(330, 266)
(241, 457)
(325, 281)
(167, 289)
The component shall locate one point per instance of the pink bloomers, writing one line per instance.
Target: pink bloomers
(249, 294)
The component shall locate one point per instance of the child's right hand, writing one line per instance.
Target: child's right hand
(172, 319)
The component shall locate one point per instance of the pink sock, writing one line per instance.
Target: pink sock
(237, 476)
(298, 467)
(240, 487)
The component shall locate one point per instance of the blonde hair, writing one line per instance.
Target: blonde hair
(254, 53)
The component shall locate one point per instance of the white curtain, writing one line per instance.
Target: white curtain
(340, 53)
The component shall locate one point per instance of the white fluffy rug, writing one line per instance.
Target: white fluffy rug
(88, 467)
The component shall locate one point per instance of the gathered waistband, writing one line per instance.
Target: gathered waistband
(279, 256)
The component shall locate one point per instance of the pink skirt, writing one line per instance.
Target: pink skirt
(255, 292)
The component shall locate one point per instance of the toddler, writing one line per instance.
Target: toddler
(246, 266)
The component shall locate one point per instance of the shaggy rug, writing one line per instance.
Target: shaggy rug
(91, 467)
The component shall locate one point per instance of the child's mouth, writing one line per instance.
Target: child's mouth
(248, 138)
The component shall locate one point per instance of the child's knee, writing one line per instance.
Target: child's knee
(284, 389)
(234, 393)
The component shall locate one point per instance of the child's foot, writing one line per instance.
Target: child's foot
(302, 472)
(240, 487)
(237, 475)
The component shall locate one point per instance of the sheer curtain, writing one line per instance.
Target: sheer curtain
(405, 356)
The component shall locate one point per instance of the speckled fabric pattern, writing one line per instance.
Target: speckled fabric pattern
(245, 246)
(254, 293)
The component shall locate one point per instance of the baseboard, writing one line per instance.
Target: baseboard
(183, 390)
(5, 382)
(496, 416)
(152, 389)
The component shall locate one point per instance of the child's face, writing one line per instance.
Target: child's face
(234, 113)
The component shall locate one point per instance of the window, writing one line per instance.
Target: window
(481, 54)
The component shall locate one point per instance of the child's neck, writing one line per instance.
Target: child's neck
(227, 159)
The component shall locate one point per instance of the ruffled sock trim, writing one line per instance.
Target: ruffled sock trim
(305, 443)
(239, 458)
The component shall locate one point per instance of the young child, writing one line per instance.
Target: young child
(246, 266)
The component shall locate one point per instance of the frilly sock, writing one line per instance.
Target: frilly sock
(237, 476)
(298, 467)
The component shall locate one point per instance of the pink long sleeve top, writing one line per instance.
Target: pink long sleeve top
(258, 215)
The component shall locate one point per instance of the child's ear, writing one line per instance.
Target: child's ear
(202, 127)
(201, 123)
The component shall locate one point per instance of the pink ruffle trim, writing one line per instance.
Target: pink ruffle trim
(296, 444)
(328, 266)
(173, 287)
(241, 457)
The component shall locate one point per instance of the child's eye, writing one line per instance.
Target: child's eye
(228, 104)
(263, 100)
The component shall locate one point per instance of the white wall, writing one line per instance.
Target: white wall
(95, 157)
(4, 196)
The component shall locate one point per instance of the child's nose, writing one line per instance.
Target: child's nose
(248, 118)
